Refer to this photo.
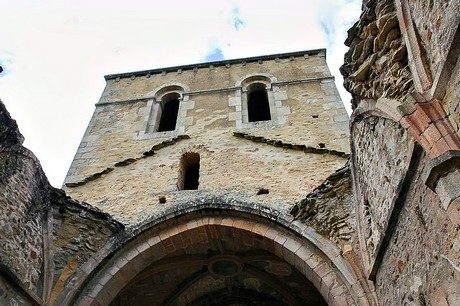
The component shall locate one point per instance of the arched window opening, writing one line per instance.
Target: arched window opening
(189, 171)
(258, 106)
(170, 108)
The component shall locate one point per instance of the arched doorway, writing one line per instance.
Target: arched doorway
(221, 257)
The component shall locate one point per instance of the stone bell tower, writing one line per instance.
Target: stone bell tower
(210, 158)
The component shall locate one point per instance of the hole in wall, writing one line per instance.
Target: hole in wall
(189, 171)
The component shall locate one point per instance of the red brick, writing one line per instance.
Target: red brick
(433, 109)
(438, 148)
(444, 127)
(432, 133)
(453, 141)
(419, 120)
(424, 143)
(414, 132)
(404, 123)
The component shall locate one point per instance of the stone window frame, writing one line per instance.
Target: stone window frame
(275, 101)
(152, 111)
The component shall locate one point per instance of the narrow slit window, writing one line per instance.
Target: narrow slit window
(170, 109)
(258, 106)
(189, 171)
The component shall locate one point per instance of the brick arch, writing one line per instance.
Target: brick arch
(300, 246)
(425, 121)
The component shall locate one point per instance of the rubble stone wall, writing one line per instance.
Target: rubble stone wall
(418, 267)
(23, 210)
(381, 154)
(415, 246)
(79, 233)
(376, 65)
(451, 102)
(36, 258)
(435, 23)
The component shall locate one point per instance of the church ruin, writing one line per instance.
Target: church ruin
(244, 182)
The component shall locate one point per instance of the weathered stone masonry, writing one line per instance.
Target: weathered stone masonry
(241, 219)
(278, 227)
(402, 72)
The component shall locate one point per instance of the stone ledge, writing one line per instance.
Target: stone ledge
(439, 167)
(442, 175)
(298, 147)
(128, 161)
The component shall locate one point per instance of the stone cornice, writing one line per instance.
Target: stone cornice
(305, 53)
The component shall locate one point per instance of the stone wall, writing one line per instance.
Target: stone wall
(23, 211)
(79, 232)
(46, 236)
(330, 209)
(419, 267)
(289, 155)
(10, 295)
(381, 156)
(451, 101)
(404, 132)
(435, 23)
(376, 65)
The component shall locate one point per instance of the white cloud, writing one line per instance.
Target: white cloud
(55, 53)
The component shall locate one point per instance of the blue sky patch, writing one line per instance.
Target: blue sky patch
(238, 23)
(214, 55)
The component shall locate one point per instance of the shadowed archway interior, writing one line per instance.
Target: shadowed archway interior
(219, 272)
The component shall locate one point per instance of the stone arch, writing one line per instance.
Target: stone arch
(274, 113)
(255, 78)
(301, 247)
(156, 101)
(160, 91)
(380, 143)
(385, 108)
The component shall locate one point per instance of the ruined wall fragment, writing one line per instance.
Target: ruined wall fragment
(376, 65)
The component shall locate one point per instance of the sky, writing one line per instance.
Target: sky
(55, 53)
